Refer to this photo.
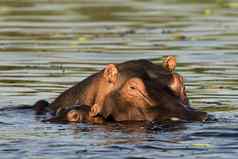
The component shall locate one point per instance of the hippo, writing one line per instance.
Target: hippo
(135, 90)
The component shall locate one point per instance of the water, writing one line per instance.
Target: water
(47, 46)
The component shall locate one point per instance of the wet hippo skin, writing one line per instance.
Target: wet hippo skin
(136, 90)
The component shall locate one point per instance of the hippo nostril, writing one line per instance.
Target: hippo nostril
(205, 117)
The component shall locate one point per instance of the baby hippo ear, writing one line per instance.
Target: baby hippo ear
(111, 73)
(169, 63)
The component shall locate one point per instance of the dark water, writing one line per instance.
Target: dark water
(47, 46)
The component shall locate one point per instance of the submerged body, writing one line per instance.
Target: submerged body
(135, 90)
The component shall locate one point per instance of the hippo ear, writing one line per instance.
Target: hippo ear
(169, 63)
(111, 73)
(73, 116)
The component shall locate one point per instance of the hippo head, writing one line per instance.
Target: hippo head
(146, 91)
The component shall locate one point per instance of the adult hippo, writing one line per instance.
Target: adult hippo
(136, 90)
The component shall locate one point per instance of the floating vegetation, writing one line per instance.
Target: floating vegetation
(81, 39)
(201, 145)
(208, 12)
(179, 36)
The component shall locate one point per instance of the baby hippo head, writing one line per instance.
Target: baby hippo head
(75, 113)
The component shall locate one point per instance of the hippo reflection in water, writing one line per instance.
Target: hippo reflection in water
(136, 90)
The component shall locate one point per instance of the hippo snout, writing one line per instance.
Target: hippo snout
(196, 115)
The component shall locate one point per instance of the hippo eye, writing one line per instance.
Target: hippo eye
(135, 84)
(132, 87)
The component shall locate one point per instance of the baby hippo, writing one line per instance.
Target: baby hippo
(76, 113)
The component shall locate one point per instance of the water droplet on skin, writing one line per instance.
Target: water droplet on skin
(174, 119)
